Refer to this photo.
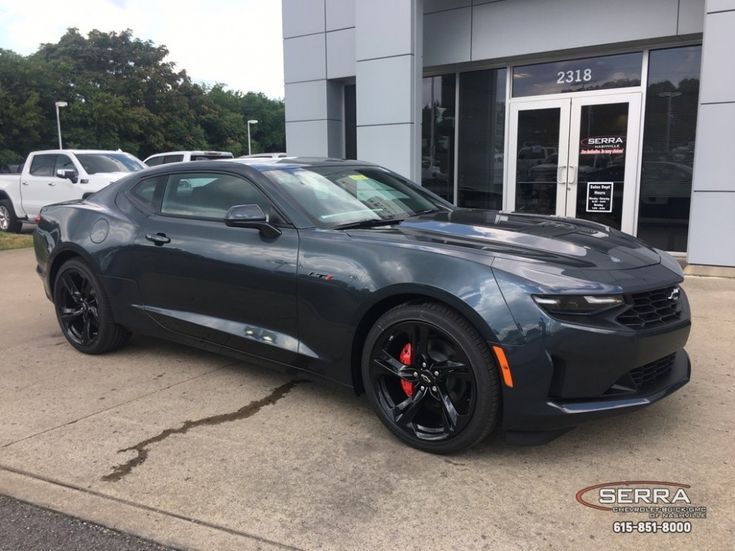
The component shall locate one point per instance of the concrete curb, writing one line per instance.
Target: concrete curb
(120, 514)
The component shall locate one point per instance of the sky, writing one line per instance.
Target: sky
(236, 42)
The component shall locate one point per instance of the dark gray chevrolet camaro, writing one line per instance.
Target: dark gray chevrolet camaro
(453, 321)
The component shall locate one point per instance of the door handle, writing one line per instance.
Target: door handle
(572, 175)
(158, 238)
(24, 183)
(52, 183)
(559, 178)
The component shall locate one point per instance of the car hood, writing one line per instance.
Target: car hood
(570, 242)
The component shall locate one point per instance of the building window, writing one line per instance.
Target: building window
(481, 139)
(668, 146)
(437, 135)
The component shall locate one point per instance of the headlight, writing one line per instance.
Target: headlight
(578, 304)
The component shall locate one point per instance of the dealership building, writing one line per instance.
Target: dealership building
(617, 111)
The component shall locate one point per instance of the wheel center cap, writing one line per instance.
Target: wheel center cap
(426, 378)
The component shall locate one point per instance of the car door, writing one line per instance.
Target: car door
(197, 276)
(41, 187)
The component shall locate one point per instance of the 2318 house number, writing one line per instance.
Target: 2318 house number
(577, 75)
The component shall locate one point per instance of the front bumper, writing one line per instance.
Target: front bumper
(578, 375)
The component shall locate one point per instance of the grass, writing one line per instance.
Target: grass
(15, 240)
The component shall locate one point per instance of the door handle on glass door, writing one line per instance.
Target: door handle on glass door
(559, 178)
(572, 175)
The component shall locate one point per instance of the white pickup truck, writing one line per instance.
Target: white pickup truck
(58, 175)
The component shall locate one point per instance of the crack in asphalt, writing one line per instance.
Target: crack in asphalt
(142, 448)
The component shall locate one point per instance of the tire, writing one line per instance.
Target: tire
(8, 220)
(84, 312)
(408, 382)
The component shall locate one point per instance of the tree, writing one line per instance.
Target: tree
(122, 93)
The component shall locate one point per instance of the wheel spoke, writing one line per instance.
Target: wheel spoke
(71, 288)
(394, 367)
(404, 412)
(450, 366)
(420, 341)
(450, 416)
(68, 314)
(87, 330)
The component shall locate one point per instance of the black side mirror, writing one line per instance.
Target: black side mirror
(67, 174)
(251, 216)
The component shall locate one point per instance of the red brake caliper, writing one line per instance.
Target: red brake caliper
(406, 358)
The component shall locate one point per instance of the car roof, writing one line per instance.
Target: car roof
(195, 152)
(75, 151)
(263, 164)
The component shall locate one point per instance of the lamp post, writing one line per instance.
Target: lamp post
(251, 121)
(669, 115)
(58, 121)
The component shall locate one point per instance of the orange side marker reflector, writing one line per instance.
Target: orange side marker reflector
(504, 367)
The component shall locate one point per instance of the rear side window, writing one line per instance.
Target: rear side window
(43, 165)
(148, 192)
(172, 159)
(204, 195)
(154, 161)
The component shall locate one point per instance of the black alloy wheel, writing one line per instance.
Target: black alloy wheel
(83, 312)
(431, 378)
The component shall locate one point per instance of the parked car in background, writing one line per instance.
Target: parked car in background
(186, 156)
(279, 155)
(454, 321)
(58, 175)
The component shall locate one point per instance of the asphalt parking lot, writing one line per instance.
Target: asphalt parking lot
(194, 450)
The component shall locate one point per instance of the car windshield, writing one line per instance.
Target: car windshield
(95, 163)
(335, 196)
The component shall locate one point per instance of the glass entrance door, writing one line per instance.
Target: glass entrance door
(576, 157)
(539, 137)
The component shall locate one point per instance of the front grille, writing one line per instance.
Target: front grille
(648, 374)
(652, 308)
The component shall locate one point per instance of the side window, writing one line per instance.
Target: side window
(154, 161)
(63, 162)
(173, 159)
(149, 192)
(201, 195)
(43, 165)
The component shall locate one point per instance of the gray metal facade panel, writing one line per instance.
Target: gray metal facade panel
(308, 138)
(524, 27)
(714, 146)
(691, 17)
(431, 6)
(714, 6)
(302, 17)
(383, 29)
(384, 91)
(447, 37)
(711, 228)
(304, 58)
(306, 101)
(717, 58)
(340, 14)
(341, 53)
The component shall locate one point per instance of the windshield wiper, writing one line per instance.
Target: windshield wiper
(370, 223)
